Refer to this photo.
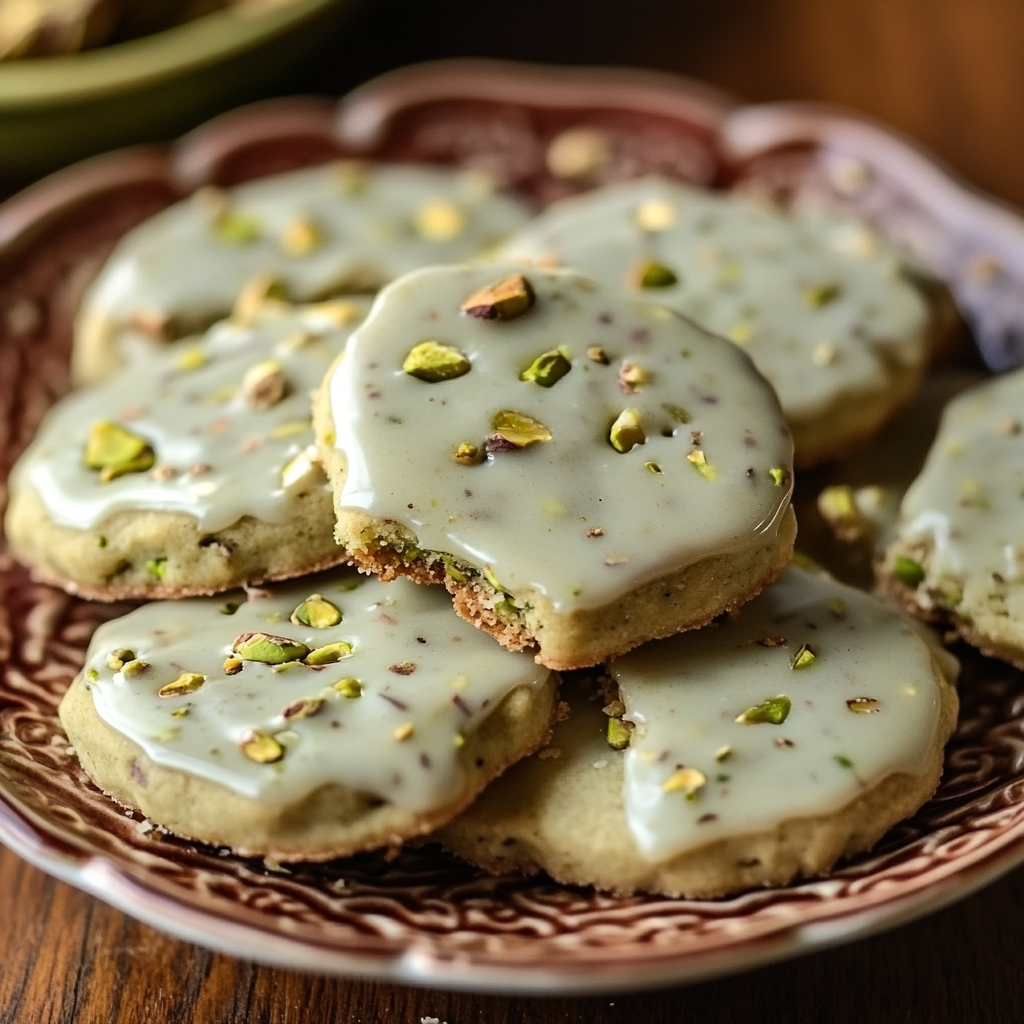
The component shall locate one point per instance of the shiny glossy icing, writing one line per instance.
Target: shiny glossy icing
(427, 678)
(685, 694)
(818, 301)
(968, 502)
(571, 518)
(217, 458)
(337, 227)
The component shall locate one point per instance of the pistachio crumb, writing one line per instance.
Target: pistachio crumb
(504, 300)
(232, 665)
(701, 464)
(863, 705)
(842, 760)
(349, 687)
(723, 753)
(805, 657)
(679, 414)
(518, 429)
(304, 707)
(261, 747)
(432, 362)
(631, 376)
(135, 667)
(595, 531)
(627, 431)
(773, 711)
(839, 509)
(653, 467)
(157, 567)
(468, 454)
(598, 355)
(548, 368)
(403, 732)
(187, 682)
(119, 657)
(690, 781)
(180, 713)
(779, 475)
(618, 733)
(648, 273)
(821, 295)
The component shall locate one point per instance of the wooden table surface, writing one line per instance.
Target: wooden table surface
(949, 73)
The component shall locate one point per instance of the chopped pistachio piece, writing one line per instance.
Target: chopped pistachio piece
(779, 475)
(187, 682)
(299, 467)
(119, 658)
(329, 653)
(908, 571)
(157, 567)
(316, 611)
(258, 292)
(236, 228)
(838, 508)
(837, 606)
(439, 220)
(519, 429)
(403, 732)
(114, 451)
(92, 674)
(631, 376)
(677, 412)
(504, 300)
(699, 461)
(843, 761)
(135, 667)
(618, 734)
(822, 294)
(263, 384)
(304, 707)
(653, 467)
(548, 369)
(191, 358)
(349, 687)
(651, 274)
(452, 570)
(627, 431)
(863, 705)
(433, 362)
(232, 665)
(723, 753)
(689, 781)
(180, 713)
(269, 649)
(805, 657)
(598, 355)
(261, 747)
(773, 711)
(468, 454)
(301, 236)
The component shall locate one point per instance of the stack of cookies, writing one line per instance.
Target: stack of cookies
(532, 504)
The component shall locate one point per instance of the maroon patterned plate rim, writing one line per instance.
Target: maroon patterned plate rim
(423, 917)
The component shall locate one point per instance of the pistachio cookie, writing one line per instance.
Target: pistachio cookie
(190, 473)
(752, 753)
(823, 307)
(322, 231)
(959, 543)
(326, 717)
(584, 472)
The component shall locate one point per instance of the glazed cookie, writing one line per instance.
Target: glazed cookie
(322, 231)
(824, 309)
(191, 473)
(328, 716)
(758, 751)
(960, 538)
(583, 471)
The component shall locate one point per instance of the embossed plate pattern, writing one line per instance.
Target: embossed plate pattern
(424, 917)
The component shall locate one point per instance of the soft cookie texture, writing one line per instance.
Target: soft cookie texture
(748, 764)
(583, 472)
(824, 308)
(326, 717)
(322, 231)
(960, 538)
(191, 473)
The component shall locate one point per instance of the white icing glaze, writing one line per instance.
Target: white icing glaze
(968, 501)
(685, 693)
(176, 263)
(460, 675)
(747, 272)
(526, 513)
(195, 418)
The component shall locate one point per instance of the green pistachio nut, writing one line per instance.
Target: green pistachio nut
(269, 649)
(519, 429)
(452, 570)
(548, 368)
(627, 431)
(114, 451)
(316, 611)
(908, 571)
(433, 362)
(304, 707)
(805, 657)
(773, 711)
(349, 687)
(699, 461)
(261, 747)
(618, 734)
(468, 454)
(119, 658)
(651, 274)
(187, 682)
(329, 653)
(503, 300)
(689, 781)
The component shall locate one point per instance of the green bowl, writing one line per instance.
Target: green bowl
(55, 110)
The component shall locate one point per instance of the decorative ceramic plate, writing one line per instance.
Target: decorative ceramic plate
(424, 917)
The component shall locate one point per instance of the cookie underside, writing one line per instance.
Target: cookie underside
(332, 821)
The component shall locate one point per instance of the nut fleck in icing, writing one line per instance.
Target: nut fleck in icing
(280, 727)
(962, 521)
(566, 461)
(320, 231)
(217, 452)
(725, 705)
(817, 301)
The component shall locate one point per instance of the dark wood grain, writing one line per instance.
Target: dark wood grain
(949, 73)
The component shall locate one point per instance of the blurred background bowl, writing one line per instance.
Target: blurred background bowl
(55, 110)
